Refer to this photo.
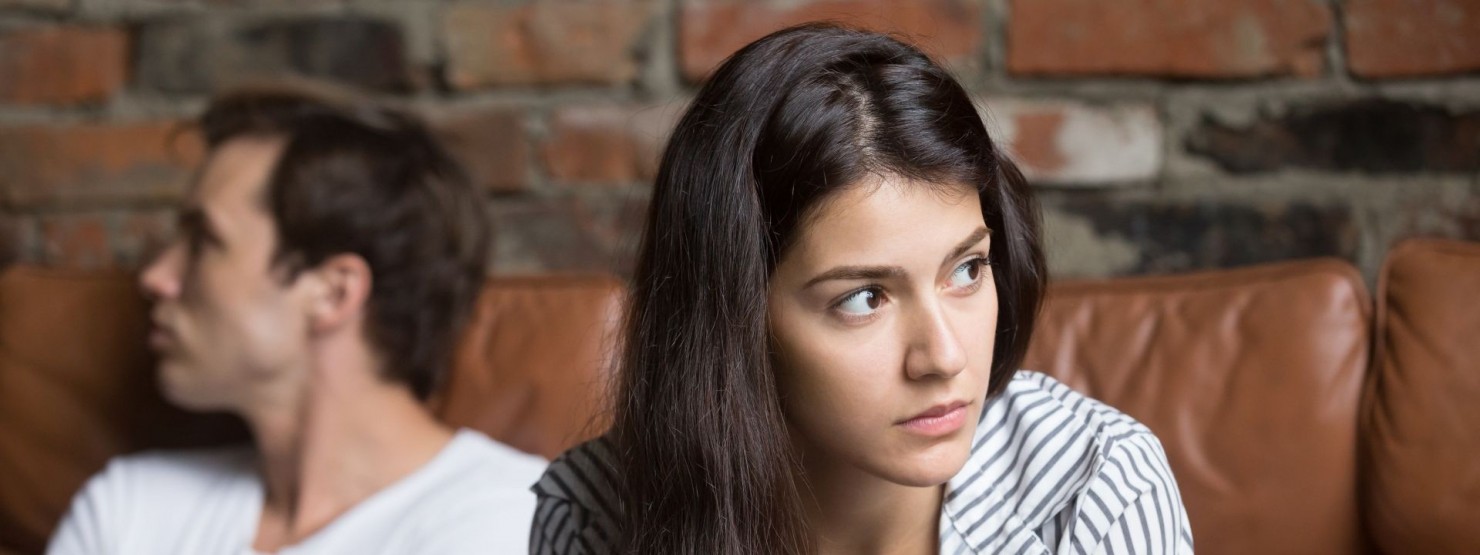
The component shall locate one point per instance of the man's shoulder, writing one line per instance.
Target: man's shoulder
(182, 468)
(474, 456)
(474, 474)
(475, 493)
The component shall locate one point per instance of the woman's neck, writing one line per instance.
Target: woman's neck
(852, 511)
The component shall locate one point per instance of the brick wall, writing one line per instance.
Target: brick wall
(1165, 135)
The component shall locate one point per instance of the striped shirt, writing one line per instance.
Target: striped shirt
(1050, 471)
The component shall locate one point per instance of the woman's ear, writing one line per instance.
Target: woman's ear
(345, 282)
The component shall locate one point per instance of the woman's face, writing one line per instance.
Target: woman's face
(882, 316)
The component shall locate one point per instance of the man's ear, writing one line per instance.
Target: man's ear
(345, 281)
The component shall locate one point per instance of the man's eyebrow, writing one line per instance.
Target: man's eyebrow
(195, 220)
(965, 245)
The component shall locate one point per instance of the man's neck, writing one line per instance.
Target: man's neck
(851, 511)
(348, 436)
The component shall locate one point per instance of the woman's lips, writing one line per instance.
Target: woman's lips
(939, 420)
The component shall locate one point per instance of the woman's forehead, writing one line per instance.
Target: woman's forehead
(890, 217)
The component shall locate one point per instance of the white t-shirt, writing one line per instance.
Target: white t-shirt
(473, 497)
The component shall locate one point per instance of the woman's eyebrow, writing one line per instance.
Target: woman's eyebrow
(887, 272)
(857, 273)
(963, 246)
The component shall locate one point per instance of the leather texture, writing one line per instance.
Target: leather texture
(1422, 436)
(533, 368)
(1251, 378)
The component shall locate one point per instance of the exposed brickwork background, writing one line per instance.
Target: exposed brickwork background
(1163, 135)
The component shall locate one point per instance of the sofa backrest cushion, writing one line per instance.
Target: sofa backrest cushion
(1251, 378)
(1422, 425)
(532, 368)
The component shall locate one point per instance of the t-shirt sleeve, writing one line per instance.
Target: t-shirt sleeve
(91, 523)
(1152, 520)
(493, 522)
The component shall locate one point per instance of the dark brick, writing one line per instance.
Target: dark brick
(200, 55)
(589, 233)
(615, 220)
(12, 239)
(47, 5)
(1176, 236)
(1376, 136)
(1455, 216)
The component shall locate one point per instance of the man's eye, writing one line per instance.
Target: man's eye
(861, 303)
(194, 242)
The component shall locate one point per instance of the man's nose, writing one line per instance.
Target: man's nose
(160, 279)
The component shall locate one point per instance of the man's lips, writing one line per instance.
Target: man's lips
(161, 337)
(938, 420)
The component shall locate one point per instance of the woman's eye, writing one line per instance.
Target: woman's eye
(861, 303)
(967, 273)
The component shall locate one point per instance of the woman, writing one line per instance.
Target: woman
(838, 279)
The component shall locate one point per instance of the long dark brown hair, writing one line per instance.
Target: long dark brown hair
(703, 449)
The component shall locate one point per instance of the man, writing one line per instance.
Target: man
(328, 251)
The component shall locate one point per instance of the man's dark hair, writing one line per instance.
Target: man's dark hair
(356, 177)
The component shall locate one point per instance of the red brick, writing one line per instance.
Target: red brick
(1170, 38)
(62, 65)
(1402, 38)
(544, 43)
(711, 30)
(608, 144)
(67, 164)
(491, 144)
(1036, 141)
(102, 239)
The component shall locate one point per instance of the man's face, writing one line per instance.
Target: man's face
(228, 326)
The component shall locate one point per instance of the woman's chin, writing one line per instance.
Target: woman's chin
(928, 468)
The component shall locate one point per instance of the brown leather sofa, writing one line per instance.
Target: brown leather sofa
(1299, 415)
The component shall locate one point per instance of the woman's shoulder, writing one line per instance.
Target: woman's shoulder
(1037, 415)
(584, 472)
(1035, 396)
(1045, 456)
(577, 506)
